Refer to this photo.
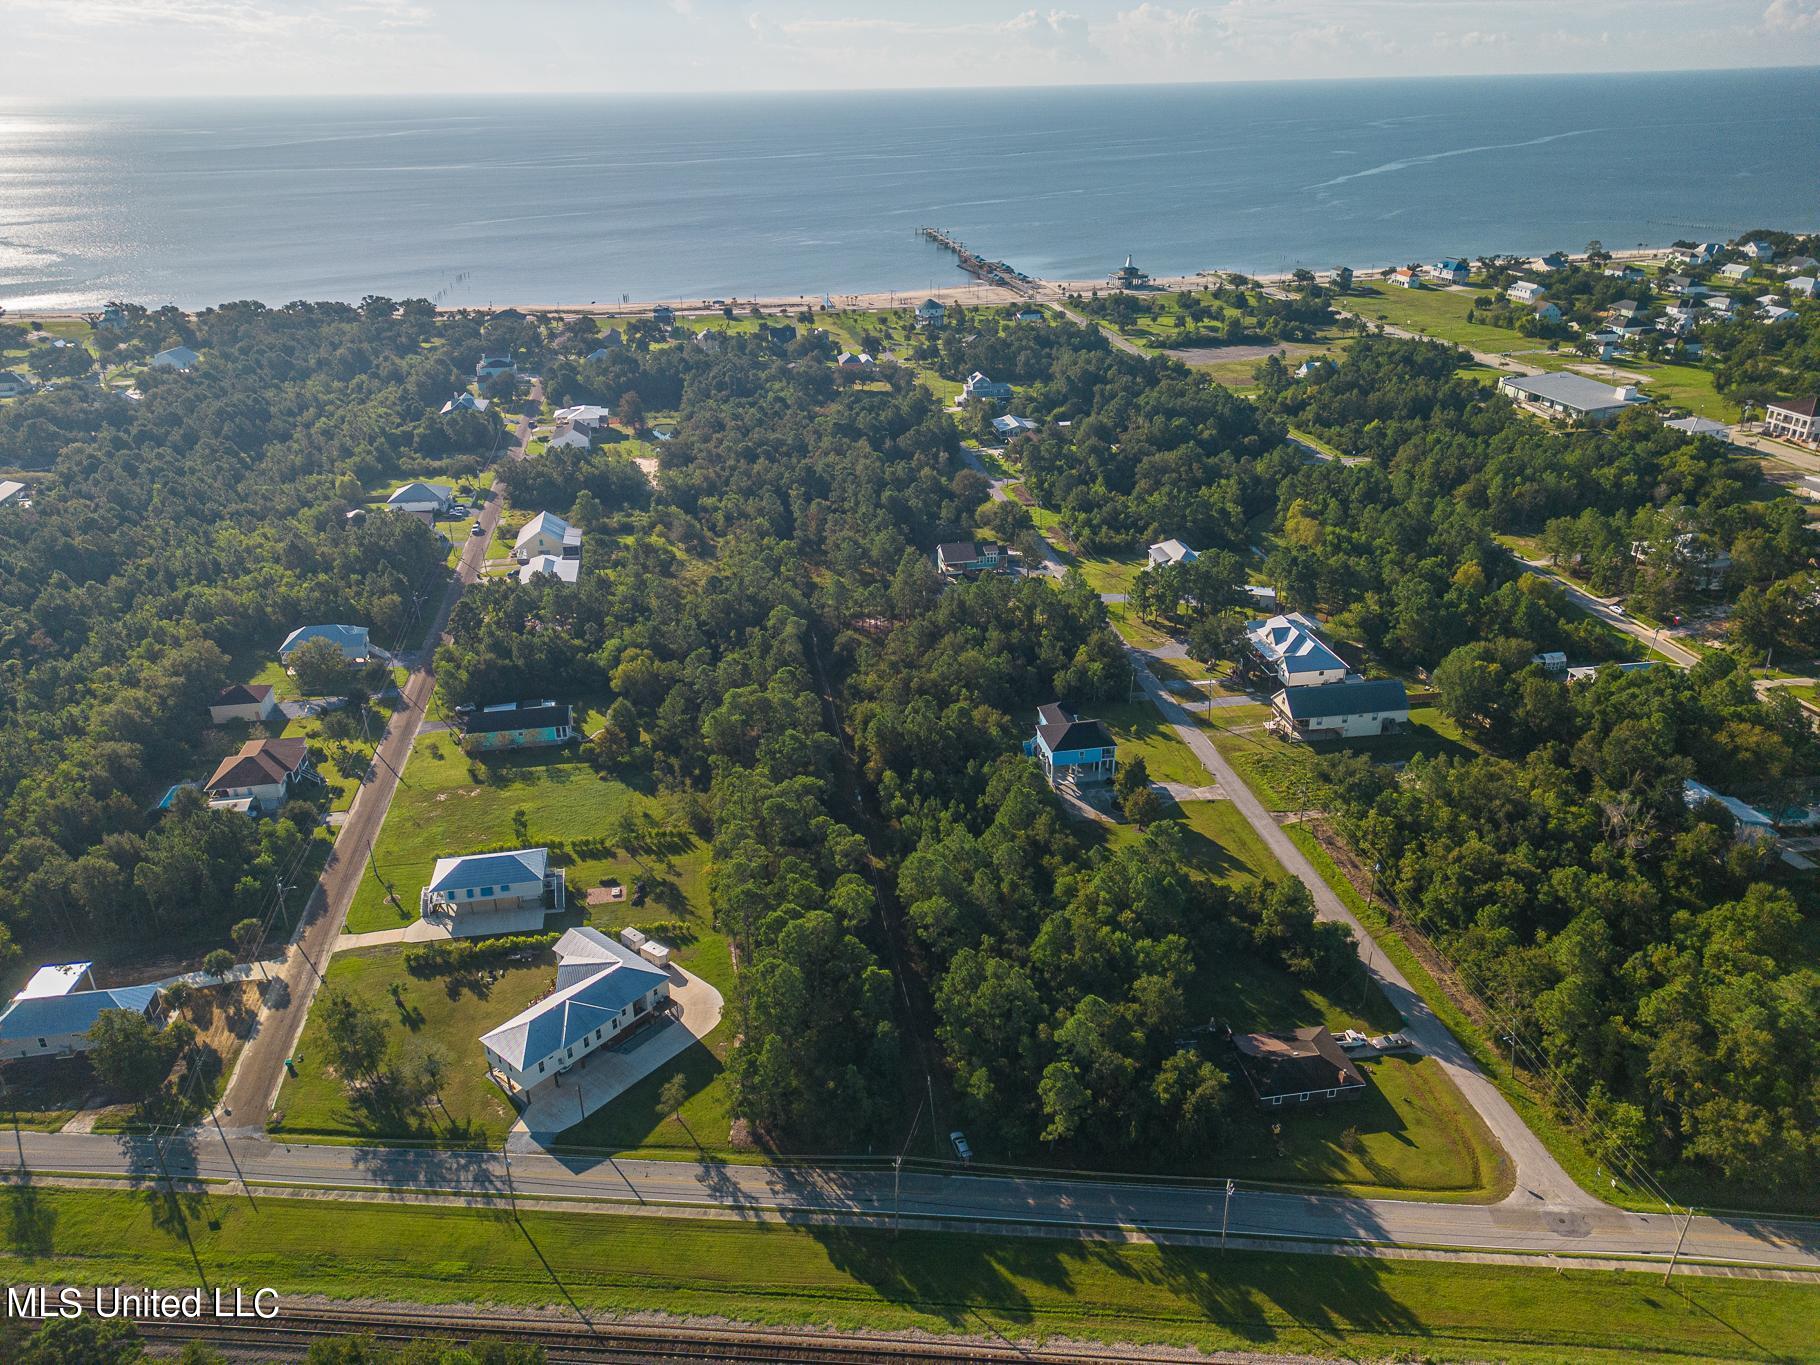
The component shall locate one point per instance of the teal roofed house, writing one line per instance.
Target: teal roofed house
(1074, 752)
(493, 893)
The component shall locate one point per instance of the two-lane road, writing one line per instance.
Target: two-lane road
(1013, 1203)
(253, 1087)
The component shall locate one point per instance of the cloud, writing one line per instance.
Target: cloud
(1792, 16)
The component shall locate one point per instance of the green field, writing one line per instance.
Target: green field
(1439, 313)
(937, 1282)
(446, 806)
(448, 1012)
(1142, 733)
(1281, 771)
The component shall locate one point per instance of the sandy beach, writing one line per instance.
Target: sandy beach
(965, 292)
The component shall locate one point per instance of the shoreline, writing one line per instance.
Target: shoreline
(969, 294)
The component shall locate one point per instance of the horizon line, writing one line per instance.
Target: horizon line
(383, 96)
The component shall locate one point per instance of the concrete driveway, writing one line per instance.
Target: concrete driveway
(604, 1075)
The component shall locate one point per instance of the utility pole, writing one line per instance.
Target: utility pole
(1678, 1241)
(505, 1152)
(1226, 1214)
(897, 1164)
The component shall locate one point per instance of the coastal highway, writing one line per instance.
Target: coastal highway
(253, 1087)
(985, 1202)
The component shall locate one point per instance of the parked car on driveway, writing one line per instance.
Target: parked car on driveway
(1392, 1042)
(1351, 1040)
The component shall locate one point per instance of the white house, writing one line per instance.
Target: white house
(51, 1017)
(564, 570)
(1804, 285)
(1291, 648)
(493, 893)
(1525, 291)
(603, 992)
(1700, 426)
(979, 388)
(244, 701)
(1758, 251)
(1792, 419)
(854, 360)
(466, 402)
(570, 438)
(433, 498)
(1737, 270)
(1171, 552)
(178, 358)
(1009, 426)
(10, 489)
(1773, 313)
(1753, 825)
(263, 774)
(1570, 395)
(350, 640)
(930, 313)
(1352, 708)
(1405, 277)
(588, 416)
(547, 534)
(1545, 311)
(1722, 304)
(490, 367)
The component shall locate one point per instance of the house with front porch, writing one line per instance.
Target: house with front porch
(603, 993)
(493, 893)
(263, 774)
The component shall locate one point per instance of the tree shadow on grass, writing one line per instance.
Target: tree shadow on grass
(31, 1224)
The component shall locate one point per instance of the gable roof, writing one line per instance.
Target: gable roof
(421, 492)
(490, 869)
(570, 1014)
(45, 1016)
(181, 357)
(567, 570)
(1295, 1063)
(581, 952)
(1062, 733)
(1800, 407)
(56, 978)
(1352, 697)
(260, 763)
(346, 638)
(548, 524)
(243, 694)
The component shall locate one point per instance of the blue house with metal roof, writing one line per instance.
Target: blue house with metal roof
(50, 1020)
(1074, 752)
(604, 991)
(493, 893)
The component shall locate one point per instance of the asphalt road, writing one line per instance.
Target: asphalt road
(253, 1087)
(987, 1201)
(1539, 1177)
(1601, 608)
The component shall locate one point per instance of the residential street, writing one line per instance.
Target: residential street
(1680, 655)
(999, 1203)
(253, 1086)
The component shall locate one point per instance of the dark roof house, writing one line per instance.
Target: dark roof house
(1302, 1067)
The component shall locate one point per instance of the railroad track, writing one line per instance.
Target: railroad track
(291, 1335)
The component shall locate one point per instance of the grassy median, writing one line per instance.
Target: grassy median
(937, 1282)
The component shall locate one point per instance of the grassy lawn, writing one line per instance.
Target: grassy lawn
(445, 806)
(1141, 733)
(1281, 771)
(452, 1012)
(1111, 575)
(1439, 313)
(938, 1282)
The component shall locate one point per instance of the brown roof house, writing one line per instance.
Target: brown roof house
(244, 701)
(261, 775)
(1304, 1067)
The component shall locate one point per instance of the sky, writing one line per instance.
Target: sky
(56, 49)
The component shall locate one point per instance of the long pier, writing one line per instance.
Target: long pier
(976, 265)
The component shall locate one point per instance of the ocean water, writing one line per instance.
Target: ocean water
(534, 200)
